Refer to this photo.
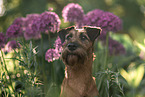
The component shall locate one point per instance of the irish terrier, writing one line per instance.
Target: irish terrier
(77, 55)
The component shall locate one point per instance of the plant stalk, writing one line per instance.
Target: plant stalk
(106, 51)
(7, 71)
(43, 66)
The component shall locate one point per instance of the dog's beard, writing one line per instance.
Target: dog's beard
(74, 58)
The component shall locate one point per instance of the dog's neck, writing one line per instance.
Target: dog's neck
(80, 71)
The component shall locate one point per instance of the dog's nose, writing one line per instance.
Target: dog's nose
(72, 46)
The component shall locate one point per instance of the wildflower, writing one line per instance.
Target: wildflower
(29, 20)
(15, 30)
(51, 55)
(73, 13)
(106, 20)
(58, 44)
(12, 45)
(110, 22)
(19, 21)
(92, 17)
(48, 21)
(2, 40)
(29, 32)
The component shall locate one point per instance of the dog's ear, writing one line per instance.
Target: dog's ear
(62, 33)
(93, 32)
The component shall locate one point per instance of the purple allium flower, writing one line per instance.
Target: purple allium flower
(93, 17)
(51, 55)
(48, 21)
(115, 48)
(2, 40)
(110, 22)
(19, 21)
(106, 20)
(73, 13)
(15, 30)
(29, 20)
(12, 45)
(58, 44)
(29, 32)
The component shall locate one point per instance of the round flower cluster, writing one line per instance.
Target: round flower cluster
(92, 18)
(51, 55)
(30, 33)
(73, 13)
(106, 20)
(15, 30)
(47, 21)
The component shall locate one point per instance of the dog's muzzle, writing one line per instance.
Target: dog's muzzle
(72, 46)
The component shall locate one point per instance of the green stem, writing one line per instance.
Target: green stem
(53, 67)
(106, 51)
(53, 75)
(43, 66)
(7, 70)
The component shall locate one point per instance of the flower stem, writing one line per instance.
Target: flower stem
(53, 74)
(7, 71)
(106, 51)
(43, 66)
(53, 67)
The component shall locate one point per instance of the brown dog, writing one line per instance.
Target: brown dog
(77, 56)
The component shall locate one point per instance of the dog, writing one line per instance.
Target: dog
(77, 55)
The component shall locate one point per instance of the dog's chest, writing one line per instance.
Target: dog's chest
(79, 84)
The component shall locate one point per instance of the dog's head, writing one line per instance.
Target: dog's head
(78, 43)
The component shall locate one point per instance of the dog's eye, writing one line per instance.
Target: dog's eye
(83, 37)
(69, 37)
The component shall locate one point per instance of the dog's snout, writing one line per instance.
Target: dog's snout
(72, 46)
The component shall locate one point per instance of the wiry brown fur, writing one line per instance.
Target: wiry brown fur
(78, 81)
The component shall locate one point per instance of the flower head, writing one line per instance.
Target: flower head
(48, 21)
(29, 32)
(73, 13)
(29, 20)
(19, 21)
(106, 20)
(58, 44)
(92, 18)
(12, 45)
(51, 55)
(2, 40)
(110, 22)
(15, 30)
